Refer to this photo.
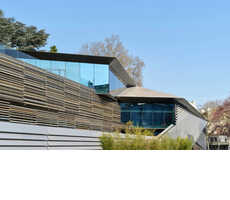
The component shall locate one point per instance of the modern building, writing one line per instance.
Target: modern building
(218, 142)
(162, 112)
(68, 100)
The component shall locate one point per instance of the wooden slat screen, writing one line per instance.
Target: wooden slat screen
(32, 95)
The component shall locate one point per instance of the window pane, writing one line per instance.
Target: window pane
(101, 78)
(147, 119)
(114, 82)
(87, 74)
(125, 117)
(73, 71)
(136, 118)
(148, 115)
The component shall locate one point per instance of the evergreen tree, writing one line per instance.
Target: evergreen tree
(1, 13)
(17, 35)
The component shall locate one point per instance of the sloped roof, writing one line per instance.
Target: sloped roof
(144, 93)
(140, 92)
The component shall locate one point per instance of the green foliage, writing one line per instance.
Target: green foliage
(1, 13)
(107, 141)
(137, 139)
(53, 49)
(130, 129)
(15, 34)
(130, 142)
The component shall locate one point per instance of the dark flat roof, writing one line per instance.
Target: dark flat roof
(115, 65)
(70, 57)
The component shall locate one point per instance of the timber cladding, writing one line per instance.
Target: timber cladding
(32, 95)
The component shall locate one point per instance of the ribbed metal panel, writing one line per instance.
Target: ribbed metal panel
(72, 138)
(188, 125)
(22, 148)
(22, 136)
(74, 148)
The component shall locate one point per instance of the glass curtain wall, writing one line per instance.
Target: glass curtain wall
(115, 83)
(145, 115)
(91, 75)
(97, 76)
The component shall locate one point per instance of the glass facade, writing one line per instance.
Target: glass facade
(97, 76)
(155, 115)
(91, 75)
(115, 83)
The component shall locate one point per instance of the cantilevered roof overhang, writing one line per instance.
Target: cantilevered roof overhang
(143, 95)
(139, 92)
(114, 64)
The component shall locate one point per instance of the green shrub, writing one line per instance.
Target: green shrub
(136, 138)
(107, 141)
(130, 129)
(139, 142)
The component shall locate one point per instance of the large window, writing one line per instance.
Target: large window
(155, 115)
(97, 76)
(91, 75)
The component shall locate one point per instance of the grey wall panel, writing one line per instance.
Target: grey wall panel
(43, 130)
(22, 148)
(202, 141)
(74, 148)
(22, 128)
(73, 132)
(71, 143)
(189, 125)
(73, 138)
(22, 136)
(22, 143)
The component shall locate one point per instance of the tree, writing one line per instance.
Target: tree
(17, 35)
(212, 104)
(219, 119)
(221, 110)
(53, 49)
(1, 13)
(112, 46)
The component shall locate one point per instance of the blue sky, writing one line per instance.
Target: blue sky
(185, 44)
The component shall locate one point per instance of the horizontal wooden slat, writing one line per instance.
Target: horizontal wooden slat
(31, 95)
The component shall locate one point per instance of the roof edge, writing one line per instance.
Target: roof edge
(113, 62)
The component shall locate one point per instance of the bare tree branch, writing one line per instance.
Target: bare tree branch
(112, 46)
